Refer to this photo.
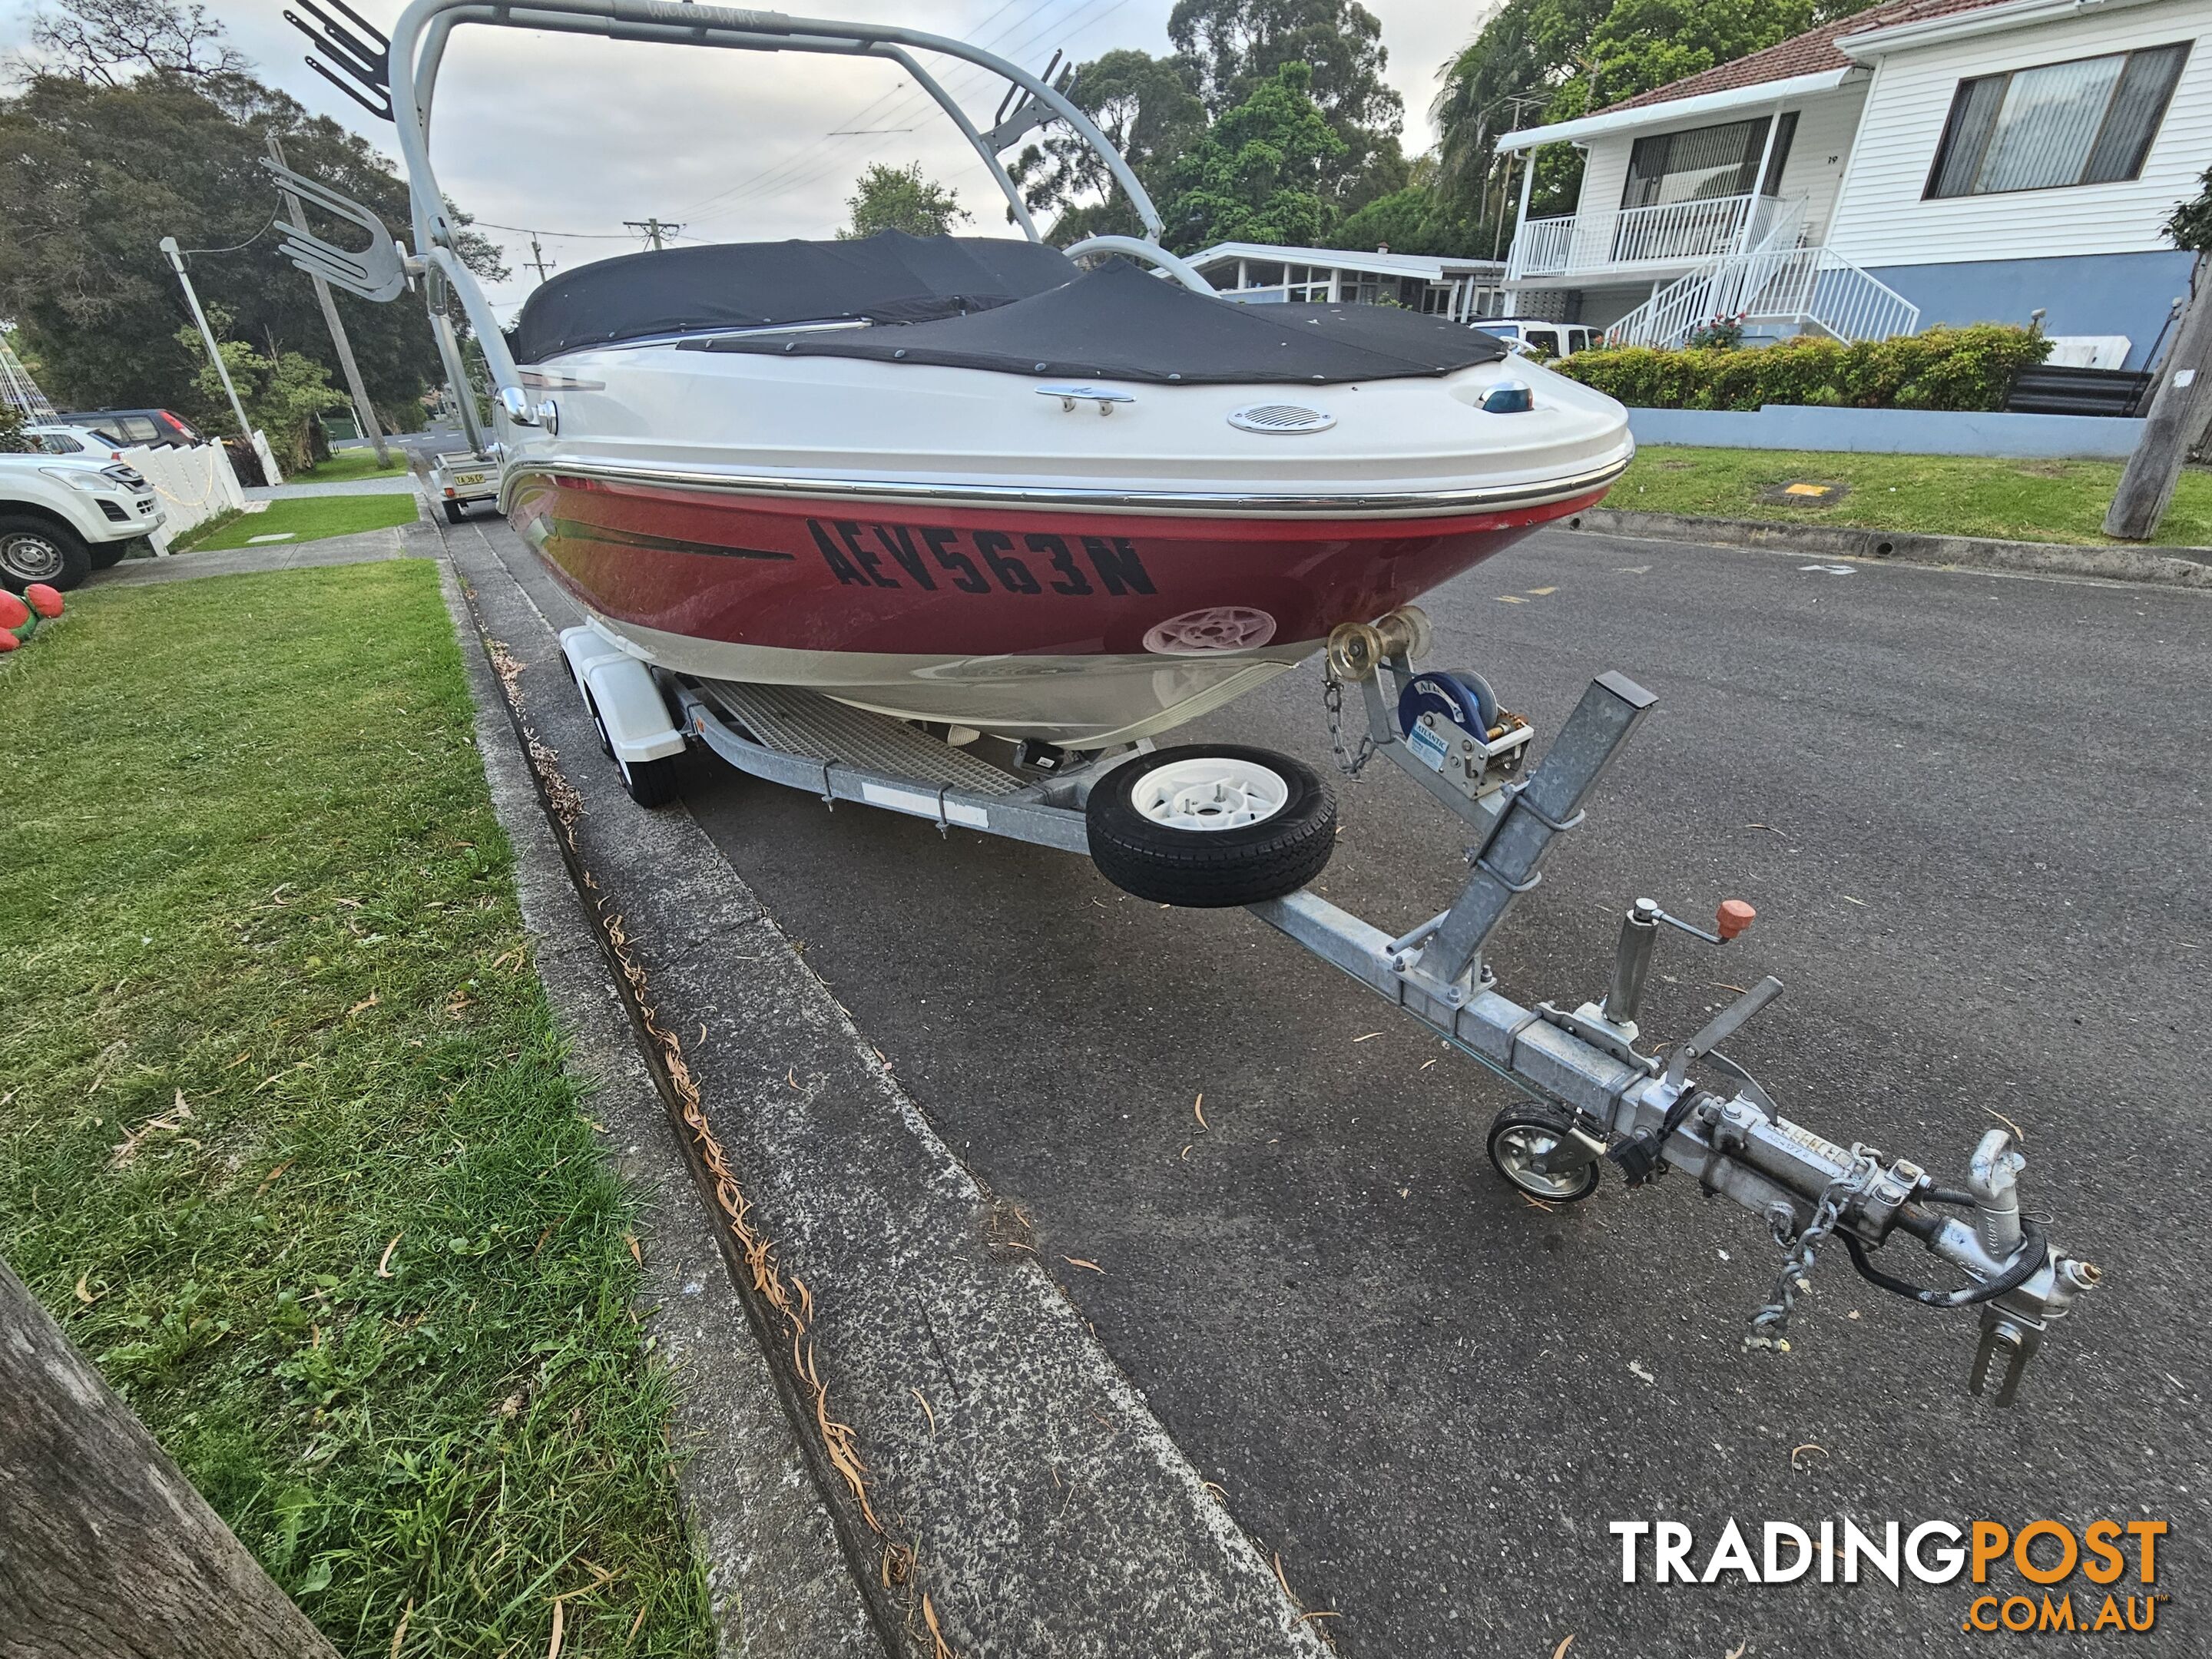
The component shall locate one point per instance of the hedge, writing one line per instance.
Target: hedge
(1967, 368)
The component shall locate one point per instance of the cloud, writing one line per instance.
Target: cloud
(571, 136)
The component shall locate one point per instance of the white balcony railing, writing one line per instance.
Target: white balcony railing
(1674, 232)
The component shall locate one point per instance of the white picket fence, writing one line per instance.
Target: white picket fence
(194, 485)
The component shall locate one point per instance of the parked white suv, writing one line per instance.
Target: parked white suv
(62, 518)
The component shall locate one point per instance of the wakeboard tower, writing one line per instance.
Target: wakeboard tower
(953, 528)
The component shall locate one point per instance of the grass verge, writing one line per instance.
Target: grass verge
(301, 519)
(1931, 495)
(347, 465)
(285, 1138)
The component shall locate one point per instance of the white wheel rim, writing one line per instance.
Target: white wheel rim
(1209, 793)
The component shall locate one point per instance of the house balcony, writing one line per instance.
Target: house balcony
(1647, 243)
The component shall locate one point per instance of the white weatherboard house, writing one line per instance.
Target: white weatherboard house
(1924, 161)
(1259, 273)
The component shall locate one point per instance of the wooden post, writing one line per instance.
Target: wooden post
(2178, 416)
(106, 1551)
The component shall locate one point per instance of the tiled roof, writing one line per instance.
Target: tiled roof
(1802, 54)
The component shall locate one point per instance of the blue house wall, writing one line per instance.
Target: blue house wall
(2130, 293)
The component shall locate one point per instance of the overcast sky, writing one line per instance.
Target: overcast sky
(570, 136)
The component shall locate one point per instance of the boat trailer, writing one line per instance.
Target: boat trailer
(1594, 1095)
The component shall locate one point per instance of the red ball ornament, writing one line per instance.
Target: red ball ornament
(14, 613)
(7, 641)
(46, 601)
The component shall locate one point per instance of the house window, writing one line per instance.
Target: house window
(2087, 122)
(1704, 163)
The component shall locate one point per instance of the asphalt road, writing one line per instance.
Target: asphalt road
(1972, 812)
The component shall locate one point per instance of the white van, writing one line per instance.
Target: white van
(1534, 337)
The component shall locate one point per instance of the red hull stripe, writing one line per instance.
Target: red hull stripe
(932, 581)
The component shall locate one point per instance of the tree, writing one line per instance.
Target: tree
(102, 161)
(111, 41)
(2190, 227)
(1142, 103)
(282, 393)
(1260, 172)
(900, 199)
(1230, 48)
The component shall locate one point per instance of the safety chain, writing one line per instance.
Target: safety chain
(1332, 698)
(1770, 1326)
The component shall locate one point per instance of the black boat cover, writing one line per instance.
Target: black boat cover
(1119, 324)
(889, 277)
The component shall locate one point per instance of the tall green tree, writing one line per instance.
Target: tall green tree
(106, 153)
(282, 393)
(1260, 173)
(900, 199)
(1147, 106)
(1231, 48)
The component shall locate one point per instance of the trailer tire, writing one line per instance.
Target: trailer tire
(649, 783)
(1278, 826)
(1519, 1133)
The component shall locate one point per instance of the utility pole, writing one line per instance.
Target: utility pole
(215, 355)
(369, 426)
(109, 1549)
(654, 229)
(2178, 416)
(537, 258)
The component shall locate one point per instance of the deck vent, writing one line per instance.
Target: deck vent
(1280, 417)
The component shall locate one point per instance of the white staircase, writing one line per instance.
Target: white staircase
(1775, 286)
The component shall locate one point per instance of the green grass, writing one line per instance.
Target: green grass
(308, 518)
(253, 875)
(1935, 494)
(346, 465)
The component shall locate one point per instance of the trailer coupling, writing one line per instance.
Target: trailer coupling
(1597, 1096)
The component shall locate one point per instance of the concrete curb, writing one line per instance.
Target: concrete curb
(779, 1582)
(2173, 567)
(1021, 1498)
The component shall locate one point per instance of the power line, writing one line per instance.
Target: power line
(803, 170)
(653, 230)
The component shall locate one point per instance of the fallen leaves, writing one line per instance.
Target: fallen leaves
(384, 1265)
(1566, 1642)
(1809, 1446)
(84, 1292)
(1078, 1261)
(2018, 1134)
(168, 1123)
(1370, 1037)
(926, 1412)
(269, 1179)
(1197, 1111)
(363, 1005)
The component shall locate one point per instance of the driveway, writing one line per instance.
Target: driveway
(1970, 810)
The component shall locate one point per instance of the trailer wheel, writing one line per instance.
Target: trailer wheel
(1519, 1135)
(649, 783)
(1207, 827)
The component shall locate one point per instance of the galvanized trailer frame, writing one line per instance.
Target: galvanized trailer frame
(1602, 1098)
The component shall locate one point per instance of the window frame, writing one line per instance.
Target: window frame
(1785, 129)
(1959, 100)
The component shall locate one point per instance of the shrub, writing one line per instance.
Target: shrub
(1963, 368)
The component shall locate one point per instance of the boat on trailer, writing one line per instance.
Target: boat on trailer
(835, 510)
